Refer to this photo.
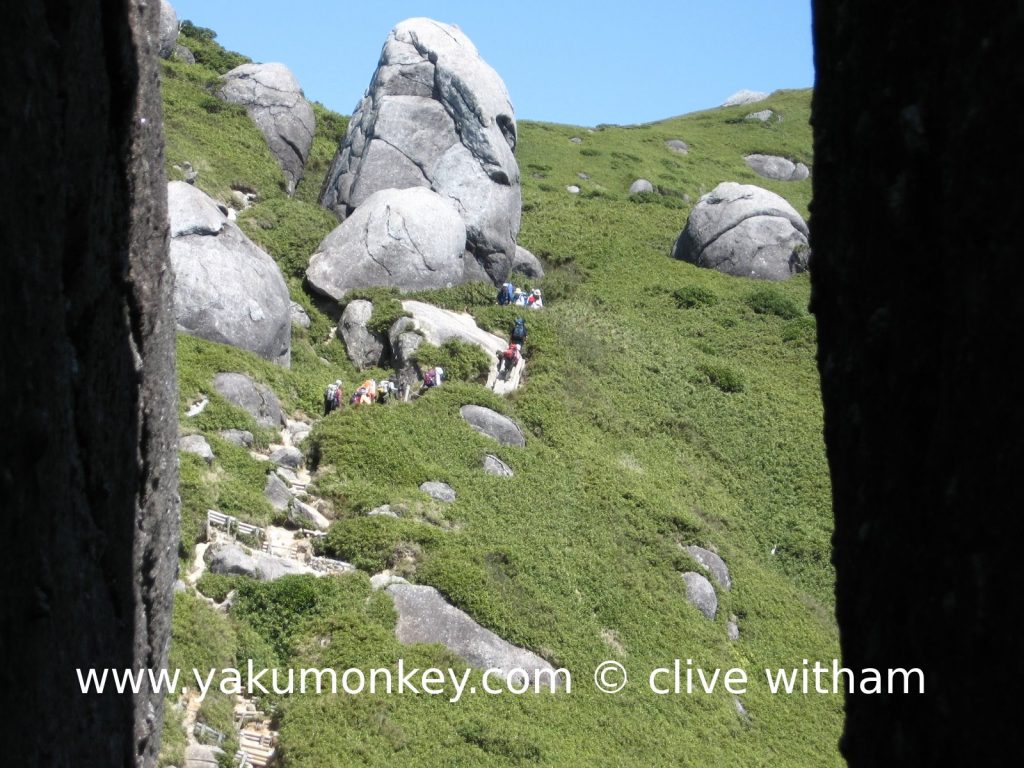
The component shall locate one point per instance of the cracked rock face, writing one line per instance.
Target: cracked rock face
(411, 239)
(226, 289)
(436, 116)
(747, 231)
(272, 97)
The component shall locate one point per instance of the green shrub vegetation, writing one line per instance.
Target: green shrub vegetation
(387, 307)
(461, 361)
(664, 405)
(768, 300)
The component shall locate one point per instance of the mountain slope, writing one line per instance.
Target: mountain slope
(664, 406)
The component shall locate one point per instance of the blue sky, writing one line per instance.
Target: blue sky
(582, 63)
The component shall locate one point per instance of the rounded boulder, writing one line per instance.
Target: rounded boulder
(226, 288)
(411, 239)
(746, 231)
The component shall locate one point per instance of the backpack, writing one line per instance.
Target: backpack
(331, 395)
(430, 378)
(519, 330)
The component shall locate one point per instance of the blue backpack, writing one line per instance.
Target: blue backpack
(506, 293)
(519, 330)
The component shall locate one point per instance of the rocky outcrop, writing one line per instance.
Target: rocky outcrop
(438, 490)
(747, 231)
(438, 326)
(277, 493)
(424, 616)
(744, 97)
(493, 425)
(761, 116)
(197, 446)
(410, 239)
(405, 341)
(226, 288)
(182, 53)
(273, 99)
(701, 594)
(300, 317)
(243, 438)
(712, 563)
(364, 347)
(232, 559)
(306, 516)
(778, 168)
(287, 456)
(202, 756)
(435, 116)
(168, 29)
(257, 400)
(496, 467)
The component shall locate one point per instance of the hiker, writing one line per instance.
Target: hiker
(366, 393)
(520, 298)
(506, 294)
(509, 359)
(519, 332)
(433, 377)
(332, 397)
(535, 301)
(387, 390)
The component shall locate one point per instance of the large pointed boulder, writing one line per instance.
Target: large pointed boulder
(747, 231)
(226, 288)
(436, 115)
(273, 99)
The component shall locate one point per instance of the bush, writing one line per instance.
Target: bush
(802, 331)
(371, 543)
(768, 300)
(217, 585)
(691, 296)
(387, 307)
(722, 376)
(289, 230)
(461, 361)
(207, 51)
(655, 198)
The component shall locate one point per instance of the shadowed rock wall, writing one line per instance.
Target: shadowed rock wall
(88, 477)
(917, 291)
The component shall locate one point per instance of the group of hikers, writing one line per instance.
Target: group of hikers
(508, 294)
(380, 392)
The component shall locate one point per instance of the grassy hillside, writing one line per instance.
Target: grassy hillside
(664, 405)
